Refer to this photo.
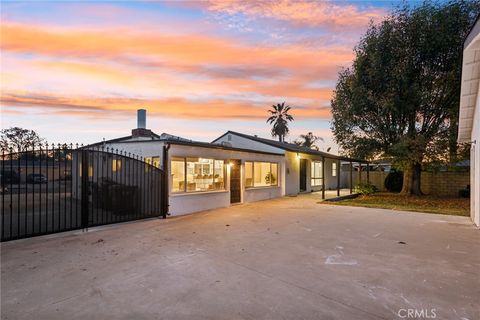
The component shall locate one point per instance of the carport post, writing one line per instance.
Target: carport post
(351, 177)
(359, 172)
(323, 178)
(338, 178)
(165, 177)
(368, 173)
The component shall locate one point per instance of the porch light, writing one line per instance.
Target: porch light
(298, 155)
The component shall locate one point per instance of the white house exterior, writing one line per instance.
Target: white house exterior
(320, 170)
(235, 168)
(469, 118)
(188, 192)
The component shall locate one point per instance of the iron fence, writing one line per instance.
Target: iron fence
(59, 188)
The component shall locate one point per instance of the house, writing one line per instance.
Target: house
(306, 170)
(234, 168)
(469, 117)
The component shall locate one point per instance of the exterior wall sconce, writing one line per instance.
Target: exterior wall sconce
(298, 156)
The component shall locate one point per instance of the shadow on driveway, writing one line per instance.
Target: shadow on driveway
(287, 258)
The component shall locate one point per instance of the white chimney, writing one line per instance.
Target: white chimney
(141, 119)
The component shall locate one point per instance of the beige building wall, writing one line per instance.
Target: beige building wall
(432, 183)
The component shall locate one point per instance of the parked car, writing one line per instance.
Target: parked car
(9, 177)
(36, 178)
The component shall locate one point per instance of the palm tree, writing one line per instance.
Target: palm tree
(279, 118)
(309, 140)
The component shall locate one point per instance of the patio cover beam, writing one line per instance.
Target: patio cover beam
(323, 178)
(338, 178)
(351, 177)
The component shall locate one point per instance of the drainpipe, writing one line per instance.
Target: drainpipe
(166, 177)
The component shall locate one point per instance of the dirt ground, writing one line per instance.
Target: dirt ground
(288, 258)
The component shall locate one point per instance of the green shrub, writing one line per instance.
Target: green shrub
(365, 188)
(394, 181)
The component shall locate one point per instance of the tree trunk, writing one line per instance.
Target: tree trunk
(416, 179)
(412, 179)
(407, 179)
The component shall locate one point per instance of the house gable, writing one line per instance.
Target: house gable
(236, 140)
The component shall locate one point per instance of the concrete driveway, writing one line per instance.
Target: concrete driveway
(288, 258)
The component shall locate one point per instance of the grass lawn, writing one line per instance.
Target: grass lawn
(394, 201)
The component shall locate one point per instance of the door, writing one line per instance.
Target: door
(303, 175)
(235, 181)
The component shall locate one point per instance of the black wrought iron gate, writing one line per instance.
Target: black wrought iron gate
(54, 189)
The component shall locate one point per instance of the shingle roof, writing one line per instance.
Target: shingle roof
(155, 137)
(289, 146)
(281, 145)
(167, 138)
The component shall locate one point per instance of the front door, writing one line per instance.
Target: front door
(235, 181)
(303, 175)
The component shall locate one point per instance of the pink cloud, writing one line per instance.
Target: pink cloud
(300, 12)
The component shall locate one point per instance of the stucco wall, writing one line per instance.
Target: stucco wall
(193, 202)
(252, 194)
(292, 165)
(293, 173)
(241, 142)
(140, 148)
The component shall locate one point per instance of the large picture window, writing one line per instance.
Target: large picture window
(197, 174)
(178, 175)
(261, 174)
(316, 175)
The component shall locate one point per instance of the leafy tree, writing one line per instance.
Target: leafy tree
(19, 139)
(308, 140)
(279, 118)
(400, 97)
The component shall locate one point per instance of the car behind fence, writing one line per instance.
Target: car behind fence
(58, 188)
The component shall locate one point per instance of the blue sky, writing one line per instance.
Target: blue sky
(77, 71)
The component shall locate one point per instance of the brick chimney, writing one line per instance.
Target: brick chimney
(141, 130)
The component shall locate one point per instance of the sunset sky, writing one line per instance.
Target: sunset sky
(77, 71)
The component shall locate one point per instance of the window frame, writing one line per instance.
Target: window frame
(334, 169)
(253, 175)
(153, 161)
(116, 165)
(185, 161)
(319, 177)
